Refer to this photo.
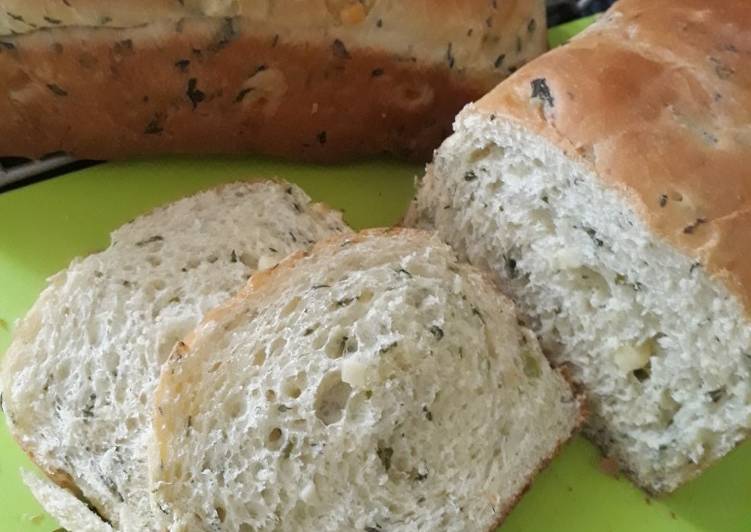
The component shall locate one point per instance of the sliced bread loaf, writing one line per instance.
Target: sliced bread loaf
(79, 375)
(373, 384)
(607, 186)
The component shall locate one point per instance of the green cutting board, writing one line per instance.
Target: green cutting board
(43, 226)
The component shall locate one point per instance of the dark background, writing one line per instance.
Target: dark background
(560, 11)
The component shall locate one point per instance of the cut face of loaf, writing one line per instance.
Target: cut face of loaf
(374, 384)
(79, 375)
(661, 348)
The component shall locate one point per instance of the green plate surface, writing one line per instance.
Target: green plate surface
(44, 226)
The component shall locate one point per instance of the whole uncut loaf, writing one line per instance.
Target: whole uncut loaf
(309, 79)
(607, 186)
(375, 383)
(79, 375)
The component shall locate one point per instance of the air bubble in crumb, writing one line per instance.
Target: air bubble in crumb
(331, 398)
(274, 439)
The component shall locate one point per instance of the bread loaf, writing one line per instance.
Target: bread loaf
(606, 184)
(373, 384)
(310, 79)
(78, 377)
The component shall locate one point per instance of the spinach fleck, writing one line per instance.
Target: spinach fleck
(194, 94)
(541, 90)
(384, 455)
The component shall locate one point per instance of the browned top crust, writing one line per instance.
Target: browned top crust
(656, 99)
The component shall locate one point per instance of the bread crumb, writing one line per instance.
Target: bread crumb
(314, 109)
(609, 466)
(35, 518)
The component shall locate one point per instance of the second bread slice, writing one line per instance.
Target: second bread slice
(79, 376)
(372, 384)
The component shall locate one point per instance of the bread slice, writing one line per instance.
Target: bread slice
(68, 510)
(606, 184)
(373, 384)
(79, 375)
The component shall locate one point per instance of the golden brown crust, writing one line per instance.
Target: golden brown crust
(63, 480)
(333, 87)
(656, 99)
(506, 510)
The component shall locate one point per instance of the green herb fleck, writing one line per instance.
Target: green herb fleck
(531, 365)
(689, 229)
(593, 235)
(57, 90)
(511, 267)
(717, 394)
(384, 455)
(342, 345)
(403, 271)
(241, 95)
(154, 127)
(541, 90)
(450, 60)
(123, 47)
(88, 410)
(287, 451)
(388, 347)
(641, 374)
(340, 51)
(150, 240)
(195, 95)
